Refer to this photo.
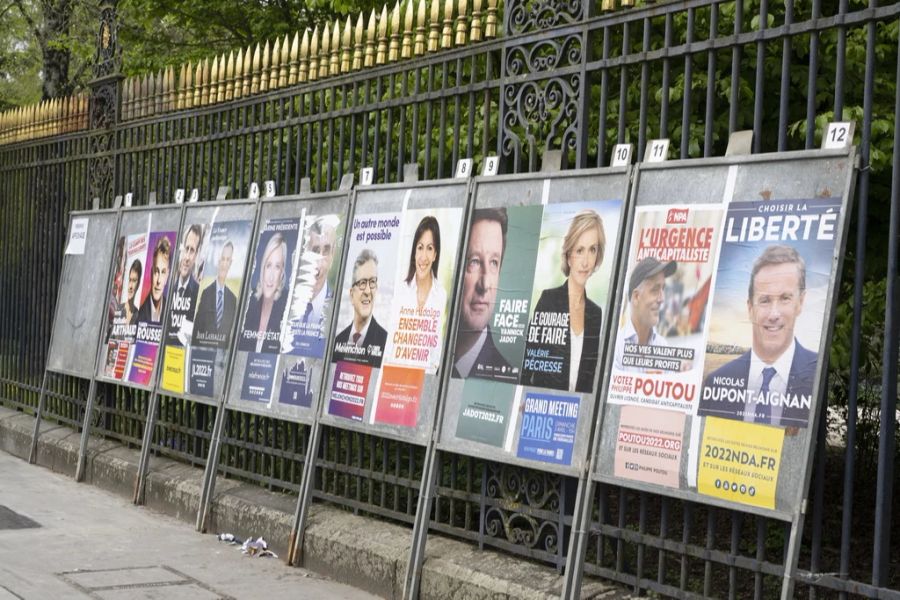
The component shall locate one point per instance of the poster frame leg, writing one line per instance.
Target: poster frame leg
(304, 499)
(210, 470)
(574, 569)
(413, 577)
(32, 453)
(86, 430)
(144, 461)
(793, 555)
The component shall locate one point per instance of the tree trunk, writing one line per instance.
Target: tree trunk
(55, 48)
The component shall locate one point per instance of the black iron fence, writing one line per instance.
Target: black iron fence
(559, 78)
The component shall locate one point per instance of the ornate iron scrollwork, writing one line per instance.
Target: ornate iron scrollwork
(104, 106)
(520, 497)
(106, 61)
(540, 112)
(525, 17)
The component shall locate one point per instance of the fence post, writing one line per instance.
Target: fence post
(546, 113)
(104, 106)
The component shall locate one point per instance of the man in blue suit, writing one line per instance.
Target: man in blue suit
(775, 378)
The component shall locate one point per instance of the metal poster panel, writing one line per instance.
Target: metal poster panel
(723, 315)
(138, 294)
(206, 282)
(82, 289)
(533, 308)
(394, 308)
(286, 318)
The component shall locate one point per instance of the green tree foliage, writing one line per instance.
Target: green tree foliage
(157, 33)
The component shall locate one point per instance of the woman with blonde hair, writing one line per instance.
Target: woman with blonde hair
(262, 322)
(564, 353)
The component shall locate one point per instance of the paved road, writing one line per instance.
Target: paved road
(59, 539)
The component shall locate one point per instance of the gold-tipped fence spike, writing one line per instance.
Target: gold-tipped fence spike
(150, 95)
(370, 41)
(197, 85)
(207, 83)
(461, 24)
(274, 64)
(182, 80)
(254, 69)
(358, 33)
(159, 91)
(381, 51)
(223, 79)
(212, 89)
(247, 71)
(229, 77)
(264, 69)
(419, 45)
(447, 31)
(170, 89)
(126, 99)
(607, 5)
(239, 74)
(475, 30)
(434, 27)
(303, 60)
(295, 57)
(284, 63)
(490, 22)
(346, 42)
(323, 51)
(139, 94)
(406, 47)
(314, 54)
(334, 61)
(394, 46)
(157, 94)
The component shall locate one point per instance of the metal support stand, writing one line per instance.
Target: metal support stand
(86, 430)
(144, 461)
(298, 529)
(211, 469)
(32, 454)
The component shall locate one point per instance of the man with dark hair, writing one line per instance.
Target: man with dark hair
(152, 309)
(476, 355)
(645, 297)
(184, 301)
(215, 314)
(777, 373)
(363, 339)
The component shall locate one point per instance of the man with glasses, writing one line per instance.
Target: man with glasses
(363, 340)
(776, 375)
(476, 355)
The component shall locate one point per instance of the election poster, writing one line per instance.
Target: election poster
(571, 282)
(661, 331)
(649, 444)
(418, 314)
(207, 282)
(485, 412)
(548, 427)
(740, 462)
(494, 304)
(392, 319)
(137, 305)
(287, 313)
(767, 316)
(531, 321)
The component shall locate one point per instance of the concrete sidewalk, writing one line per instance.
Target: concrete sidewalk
(59, 539)
(366, 553)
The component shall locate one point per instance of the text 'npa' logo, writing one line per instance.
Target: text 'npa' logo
(677, 216)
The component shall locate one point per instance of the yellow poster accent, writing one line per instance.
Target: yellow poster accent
(173, 370)
(739, 461)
